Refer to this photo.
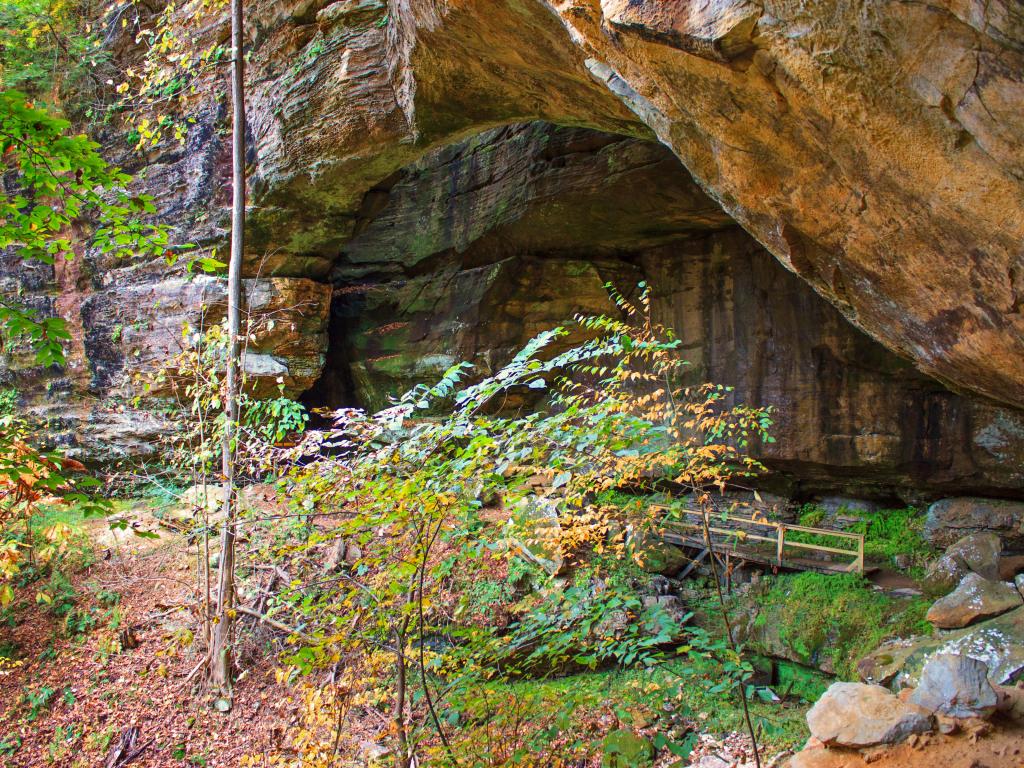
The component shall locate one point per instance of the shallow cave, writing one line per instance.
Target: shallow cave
(473, 249)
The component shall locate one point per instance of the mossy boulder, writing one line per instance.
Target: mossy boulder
(825, 621)
(998, 642)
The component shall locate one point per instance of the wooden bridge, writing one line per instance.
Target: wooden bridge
(762, 541)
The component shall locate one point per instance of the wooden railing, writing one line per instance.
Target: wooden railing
(769, 532)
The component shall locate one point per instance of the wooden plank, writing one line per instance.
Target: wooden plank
(821, 548)
(824, 531)
(693, 564)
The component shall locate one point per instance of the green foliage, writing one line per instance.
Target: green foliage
(193, 382)
(37, 700)
(887, 533)
(598, 619)
(50, 48)
(837, 616)
(64, 739)
(8, 402)
(407, 492)
(275, 419)
(812, 515)
(10, 744)
(58, 179)
(891, 532)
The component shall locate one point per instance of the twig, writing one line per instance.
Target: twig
(276, 624)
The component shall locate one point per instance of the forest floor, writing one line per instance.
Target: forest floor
(72, 697)
(116, 651)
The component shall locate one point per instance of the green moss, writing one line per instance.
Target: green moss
(835, 617)
(887, 533)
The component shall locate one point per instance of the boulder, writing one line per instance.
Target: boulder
(955, 685)
(976, 598)
(658, 556)
(1011, 702)
(977, 552)
(944, 575)
(998, 642)
(950, 519)
(858, 715)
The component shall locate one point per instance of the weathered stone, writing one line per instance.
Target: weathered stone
(975, 599)
(838, 134)
(537, 533)
(1018, 582)
(1011, 701)
(955, 686)
(949, 519)
(998, 642)
(943, 575)
(718, 30)
(979, 552)
(858, 715)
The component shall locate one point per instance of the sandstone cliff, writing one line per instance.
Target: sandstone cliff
(827, 197)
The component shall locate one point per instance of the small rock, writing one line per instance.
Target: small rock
(955, 686)
(1011, 702)
(975, 598)
(1018, 582)
(858, 715)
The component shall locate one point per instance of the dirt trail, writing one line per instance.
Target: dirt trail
(1002, 748)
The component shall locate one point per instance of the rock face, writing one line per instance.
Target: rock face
(955, 686)
(403, 153)
(975, 599)
(950, 518)
(857, 715)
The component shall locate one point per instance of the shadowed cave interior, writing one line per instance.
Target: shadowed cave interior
(475, 248)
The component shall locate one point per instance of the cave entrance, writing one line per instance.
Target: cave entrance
(474, 248)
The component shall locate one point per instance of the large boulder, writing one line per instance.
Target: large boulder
(998, 642)
(955, 685)
(976, 598)
(858, 715)
(949, 519)
(977, 552)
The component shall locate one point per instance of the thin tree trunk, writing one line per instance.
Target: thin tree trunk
(402, 755)
(220, 652)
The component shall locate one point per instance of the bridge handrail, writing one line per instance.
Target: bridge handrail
(779, 539)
